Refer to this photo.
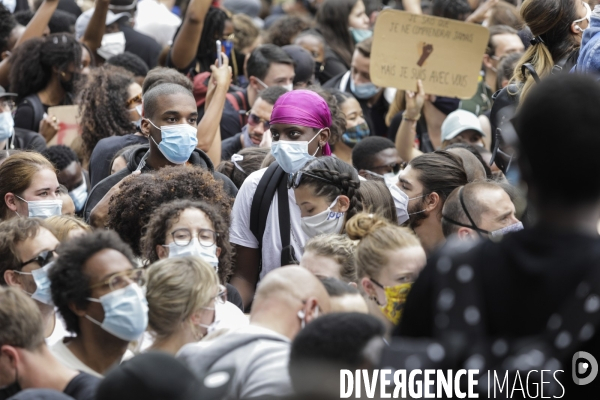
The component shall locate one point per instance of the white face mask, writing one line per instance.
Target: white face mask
(588, 16)
(219, 311)
(43, 208)
(401, 203)
(42, 290)
(113, 44)
(324, 222)
(7, 124)
(79, 196)
(292, 155)
(194, 248)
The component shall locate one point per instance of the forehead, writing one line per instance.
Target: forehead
(179, 102)
(309, 40)
(192, 218)
(261, 106)
(278, 69)
(32, 246)
(508, 40)
(386, 156)
(360, 62)
(104, 263)
(410, 175)
(350, 105)
(44, 178)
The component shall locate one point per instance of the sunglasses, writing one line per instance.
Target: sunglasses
(136, 100)
(395, 167)
(42, 259)
(254, 120)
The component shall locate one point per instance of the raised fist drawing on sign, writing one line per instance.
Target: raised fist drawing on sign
(426, 50)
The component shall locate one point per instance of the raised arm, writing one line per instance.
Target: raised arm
(187, 40)
(35, 28)
(92, 37)
(405, 138)
(412, 6)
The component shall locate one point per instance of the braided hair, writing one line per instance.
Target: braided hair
(344, 181)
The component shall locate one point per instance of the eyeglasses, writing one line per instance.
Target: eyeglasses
(395, 167)
(7, 104)
(42, 259)
(135, 100)
(123, 279)
(254, 120)
(183, 237)
(294, 180)
(221, 296)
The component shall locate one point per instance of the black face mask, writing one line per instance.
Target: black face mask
(318, 69)
(69, 86)
(10, 390)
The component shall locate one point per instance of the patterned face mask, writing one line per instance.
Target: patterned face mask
(396, 297)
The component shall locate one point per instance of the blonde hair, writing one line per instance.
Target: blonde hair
(20, 319)
(396, 106)
(177, 287)
(377, 237)
(61, 225)
(338, 247)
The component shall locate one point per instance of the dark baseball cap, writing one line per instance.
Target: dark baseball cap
(150, 376)
(4, 93)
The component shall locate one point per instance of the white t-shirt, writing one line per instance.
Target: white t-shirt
(59, 332)
(157, 21)
(70, 360)
(240, 233)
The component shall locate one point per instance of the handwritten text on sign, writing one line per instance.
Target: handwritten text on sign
(445, 54)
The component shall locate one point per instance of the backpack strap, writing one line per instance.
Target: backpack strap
(262, 202)
(38, 110)
(238, 101)
(288, 254)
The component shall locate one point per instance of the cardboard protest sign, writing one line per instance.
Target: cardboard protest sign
(445, 54)
(68, 124)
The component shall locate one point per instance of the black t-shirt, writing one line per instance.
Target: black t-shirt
(141, 45)
(231, 146)
(523, 280)
(25, 117)
(230, 120)
(28, 140)
(82, 387)
(105, 151)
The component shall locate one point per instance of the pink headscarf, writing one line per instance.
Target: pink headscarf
(304, 108)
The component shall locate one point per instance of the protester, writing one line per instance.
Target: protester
(461, 127)
(330, 344)
(68, 205)
(343, 23)
(377, 157)
(285, 29)
(506, 67)
(99, 295)
(106, 149)
(44, 73)
(12, 137)
(548, 261)
(286, 301)
(29, 187)
(258, 123)
(26, 355)
(172, 106)
(300, 127)
(331, 256)
(174, 223)
(186, 303)
(357, 81)
(428, 180)
(70, 173)
(472, 163)
(65, 227)
(27, 248)
(108, 106)
(503, 41)
(452, 9)
(241, 165)
(313, 42)
(156, 20)
(343, 297)
(356, 126)
(304, 66)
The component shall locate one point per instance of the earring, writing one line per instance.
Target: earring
(62, 74)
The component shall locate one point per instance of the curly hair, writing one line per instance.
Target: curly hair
(131, 208)
(7, 24)
(167, 214)
(344, 181)
(253, 159)
(245, 32)
(130, 62)
(283, 31)
(68, 282)
(34, 60)
(103, 106)
(60, 156)
(338, 119)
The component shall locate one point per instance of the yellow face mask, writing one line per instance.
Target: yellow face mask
(396, 297)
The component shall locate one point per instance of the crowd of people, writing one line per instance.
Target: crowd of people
(243, 213)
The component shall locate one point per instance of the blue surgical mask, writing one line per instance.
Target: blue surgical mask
(125, 312)
(42, 291)
(194, 248)
(79, 196)
(354, 135)
(360, 34)
(363, 91)
(292, 155)
(43, 208)
(178, 142)
(7, 124)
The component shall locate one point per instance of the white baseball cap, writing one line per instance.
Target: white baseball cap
(459, 121)
(84, 20)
